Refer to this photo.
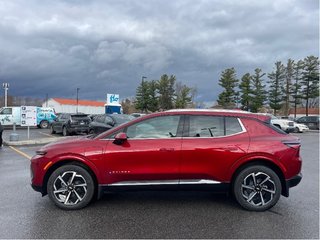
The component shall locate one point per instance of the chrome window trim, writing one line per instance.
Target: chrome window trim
(163, 182)
(175, 138)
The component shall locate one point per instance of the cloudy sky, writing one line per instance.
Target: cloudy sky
(107, 46)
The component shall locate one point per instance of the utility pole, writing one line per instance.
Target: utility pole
(47, 100)
(5, 87)
(77, 98)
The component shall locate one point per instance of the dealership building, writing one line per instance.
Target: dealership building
(64, 105)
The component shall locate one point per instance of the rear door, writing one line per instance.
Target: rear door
(210, 145)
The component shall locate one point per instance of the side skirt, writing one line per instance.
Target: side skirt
(183, 185)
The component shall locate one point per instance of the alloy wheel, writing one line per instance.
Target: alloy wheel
(258, 189)
(70, 188)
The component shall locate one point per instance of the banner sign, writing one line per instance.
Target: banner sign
(113, 99)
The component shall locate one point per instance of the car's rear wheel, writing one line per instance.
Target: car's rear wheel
(296, 130)
(44, 124)
(71, 187)
(257, 188)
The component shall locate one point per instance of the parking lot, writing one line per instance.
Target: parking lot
(161, 214)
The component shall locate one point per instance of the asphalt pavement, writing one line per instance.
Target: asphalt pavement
(163, 214)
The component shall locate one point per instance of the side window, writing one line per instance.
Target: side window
(158, 127)
(303, 119)
(232, 126)
(206, 126)
(7, 111)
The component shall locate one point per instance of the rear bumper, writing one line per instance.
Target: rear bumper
(292, 182)
(78, 129)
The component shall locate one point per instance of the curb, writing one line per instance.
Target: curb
(40, 141)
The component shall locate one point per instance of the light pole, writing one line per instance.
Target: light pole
(77, 98)
(5, 87)
(143, 77)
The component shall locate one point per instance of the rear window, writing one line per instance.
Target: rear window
(273, 127)
(79, 116)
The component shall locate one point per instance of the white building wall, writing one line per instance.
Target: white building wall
(59, 108)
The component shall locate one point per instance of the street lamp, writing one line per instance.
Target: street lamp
(5, 87)
(77, 98)
(143, 77)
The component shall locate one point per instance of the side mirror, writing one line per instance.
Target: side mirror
(120, 138)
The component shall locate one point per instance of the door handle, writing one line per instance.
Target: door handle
(166, 149)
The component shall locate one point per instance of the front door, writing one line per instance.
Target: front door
(150, 156)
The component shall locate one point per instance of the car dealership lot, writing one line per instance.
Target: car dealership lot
(25, 214)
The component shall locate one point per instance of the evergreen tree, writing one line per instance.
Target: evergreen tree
(245, 91)
(229, 82)
(153, 98)
(183, 95)
(295, 89)
(258, 90)
(142, 96)
(310, 79)
(277, 78)
(287, 86)
(166, 91)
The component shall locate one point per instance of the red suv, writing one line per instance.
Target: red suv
(204, 149)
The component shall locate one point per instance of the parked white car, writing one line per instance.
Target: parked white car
(300, 128)
(284, 124)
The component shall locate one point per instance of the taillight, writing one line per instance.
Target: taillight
(292, 144)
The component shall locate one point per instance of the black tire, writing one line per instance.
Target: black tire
(44, 124)
(296, 130)
(73, 196)
(259, 197)
(65, 131)
(91, 131)
(52, 131)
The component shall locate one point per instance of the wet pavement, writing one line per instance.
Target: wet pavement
(25, 214)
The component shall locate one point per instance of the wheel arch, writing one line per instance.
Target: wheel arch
(263, 162)
(63, 162)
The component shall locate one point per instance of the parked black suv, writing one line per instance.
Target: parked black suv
(311, 121)
(70, 123)
(105, 122)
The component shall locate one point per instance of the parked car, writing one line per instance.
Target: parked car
(311, 121)
(70, 123)
(203, 149)
(104, 122)
(300, 128)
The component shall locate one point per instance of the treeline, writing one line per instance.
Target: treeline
(293, 84)
(163, 94)
(21, 101)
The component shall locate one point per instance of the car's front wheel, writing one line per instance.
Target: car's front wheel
(257, 188)
(65, 131)
(71, 187)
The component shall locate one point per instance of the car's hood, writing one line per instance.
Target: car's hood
(67, 141)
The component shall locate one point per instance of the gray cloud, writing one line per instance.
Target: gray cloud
(106, 46)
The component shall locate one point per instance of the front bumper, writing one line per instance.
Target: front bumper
(292, 182)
